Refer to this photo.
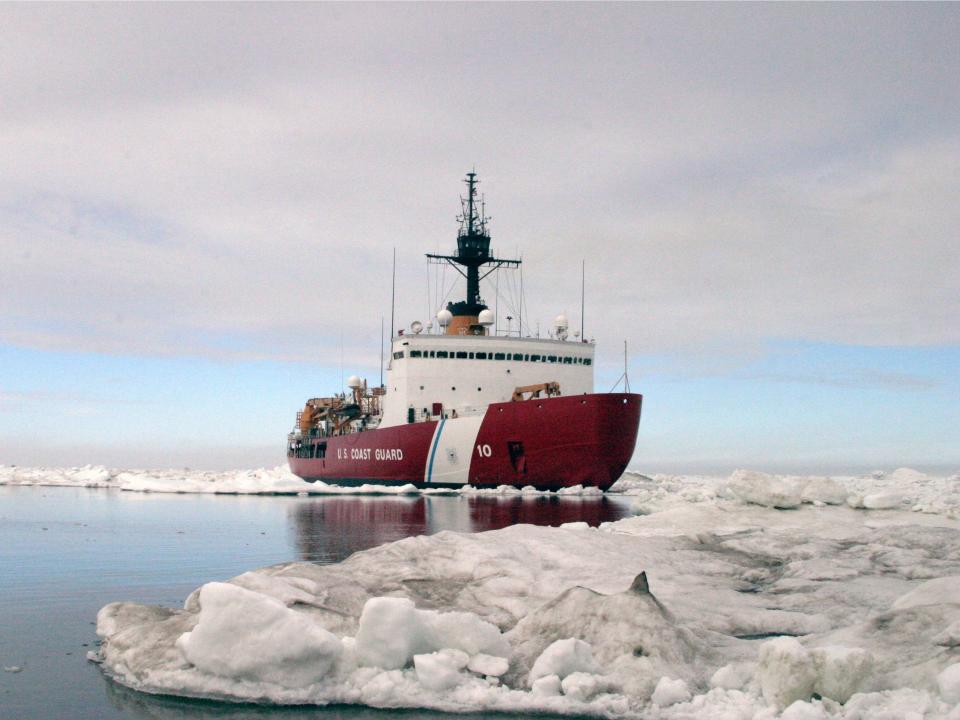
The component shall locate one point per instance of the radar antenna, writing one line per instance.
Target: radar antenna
(473, 251)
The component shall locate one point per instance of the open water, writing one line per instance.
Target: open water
(66, 552)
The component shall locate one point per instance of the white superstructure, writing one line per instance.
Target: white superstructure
(433, 376)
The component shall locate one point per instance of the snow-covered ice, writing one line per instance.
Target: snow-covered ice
(900, 489)
(276, 481)
(711, 603)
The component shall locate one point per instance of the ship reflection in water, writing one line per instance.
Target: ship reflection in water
(329, 529)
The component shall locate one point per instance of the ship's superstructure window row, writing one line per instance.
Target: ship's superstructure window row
(516, 357)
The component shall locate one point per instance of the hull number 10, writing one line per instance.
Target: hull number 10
(484, 450)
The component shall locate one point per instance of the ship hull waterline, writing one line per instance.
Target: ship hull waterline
(547, 443)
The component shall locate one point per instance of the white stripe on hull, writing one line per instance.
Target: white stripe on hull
(451, 450)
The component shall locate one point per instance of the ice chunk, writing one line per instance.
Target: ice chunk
(948, 682)
(440, 670)
(951, 636)
(391, 632)
(575, 526)
(548, 685)
(562, 658)
(841, 671)
(824, 490)
(884, 500)
(670, 691)
(466, 631)
(630, 635)
(932, 592)
(908, 476)
(760, 488)
(489, 665)
(785, 671)
(801, 710)
(733, 676)
(242, 634)
(583, 686)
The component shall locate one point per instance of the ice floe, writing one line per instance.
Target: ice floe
(708, 605)
(903, 488)
(277, 481)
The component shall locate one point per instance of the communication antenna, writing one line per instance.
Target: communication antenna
(520, 319)
(623, 378)
(583, 285)
(496, 302)
(393, 293)
(381, 351)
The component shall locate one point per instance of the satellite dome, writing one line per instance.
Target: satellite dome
(561, 321)
(416, 327)
(486, 317)
(354, 382)
(444, 317)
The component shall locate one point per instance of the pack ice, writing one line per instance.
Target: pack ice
(712, 602)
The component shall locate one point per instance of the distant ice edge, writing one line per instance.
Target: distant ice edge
(691, 610)
(901, 489)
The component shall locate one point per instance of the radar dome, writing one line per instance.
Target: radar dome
(354, 382)
(444, 317)
(486, 317)
(561, 321)
(416, 327)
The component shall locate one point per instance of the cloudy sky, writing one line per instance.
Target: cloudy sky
(198, 206)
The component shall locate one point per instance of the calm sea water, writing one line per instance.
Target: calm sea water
(66, 552)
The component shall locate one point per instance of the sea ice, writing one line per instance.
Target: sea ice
(841, 671)
(785, 671)
(733, 676)
(767, 490)
(245, 635)
(948, 682)
(548, 620)
(670, 692)
(489, 665)
(562, 658)
(391, 632)
(823, 489)
(440, 670)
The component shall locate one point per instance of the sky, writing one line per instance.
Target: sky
(199, 205)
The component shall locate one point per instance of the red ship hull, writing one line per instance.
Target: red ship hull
(548, 443)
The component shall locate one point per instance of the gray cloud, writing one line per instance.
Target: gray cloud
(228, 180)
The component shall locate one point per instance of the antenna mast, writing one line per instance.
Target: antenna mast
(473, 253)
(393, 294)
(583, 285)
(623, 378)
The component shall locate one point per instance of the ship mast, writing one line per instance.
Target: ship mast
(473, 253)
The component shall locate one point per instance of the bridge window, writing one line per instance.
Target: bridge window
(441, 353)
(534, 358)
(461, 355)
(398, 355)
(414, 353)
(481, 356)
(587, 361)
(499, 356)
(517, 356)
(551, 358)
(567, 360)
